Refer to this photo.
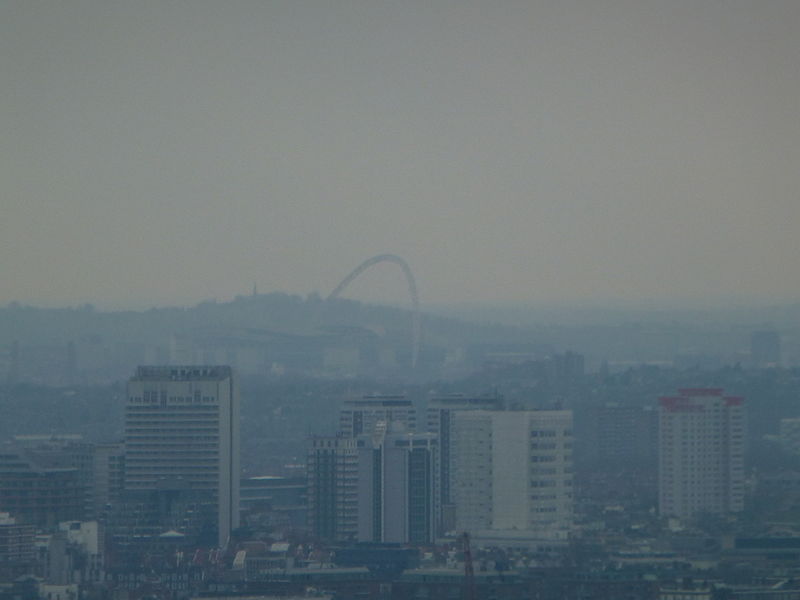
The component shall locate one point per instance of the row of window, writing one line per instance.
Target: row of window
(193, 430)
(543, 483)
(543, 458)
(152, 409)
(549, 432)
(162, 398)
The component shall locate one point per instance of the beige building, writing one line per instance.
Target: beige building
(440, 422)
(182, 425)
(512, 471)
(701, 454)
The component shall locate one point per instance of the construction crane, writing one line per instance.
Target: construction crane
(469, 571)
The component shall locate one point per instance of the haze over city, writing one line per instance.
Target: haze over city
(515, 152)
(387, 300)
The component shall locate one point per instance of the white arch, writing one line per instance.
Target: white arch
(412, 291)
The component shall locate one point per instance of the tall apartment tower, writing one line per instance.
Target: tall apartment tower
(332, 475)
(182, 426)
(701, 453)
(512, 470)
(440, 422)
(332, 464)
(397, 496)
(361, 415)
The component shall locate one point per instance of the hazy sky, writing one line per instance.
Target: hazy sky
(161, 152)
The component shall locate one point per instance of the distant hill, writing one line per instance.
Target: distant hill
(261, 331)
(277, 334)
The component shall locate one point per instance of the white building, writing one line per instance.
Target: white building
(512, 471)
(440, 421)
(701, 453)
(182, 423)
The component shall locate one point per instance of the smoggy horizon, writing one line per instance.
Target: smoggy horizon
(634, 153)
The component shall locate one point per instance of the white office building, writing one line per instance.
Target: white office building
(182, 425)
(440, 422)
(512, 471)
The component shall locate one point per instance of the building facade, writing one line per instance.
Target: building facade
(701, 453)
(109, 476)
(361, 415)
(66, 451)
(16, 540)
(182, 426)
(440, 422)
(38, 492)
(512, 470)
(397, 495)
(346, 474)
(332, 473)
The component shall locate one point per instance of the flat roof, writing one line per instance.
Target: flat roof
(182, 373)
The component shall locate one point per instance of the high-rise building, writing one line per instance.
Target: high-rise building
(397, 496)
(363, 414)
(17, 551)
(37, 491)
(371, 484)
(701, 448)
(334, 482)
(512, 470)
(67, 451)
(440, 422)
(182, 426)
(332, 471)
